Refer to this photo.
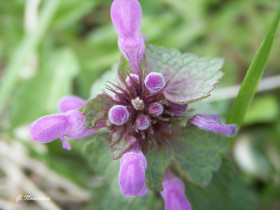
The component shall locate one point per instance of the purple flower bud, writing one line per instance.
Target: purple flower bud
(132, 173)
(177, 109)
(155, 109)
(174, 193)
(213, 123)
(116, 97)
(69, 103)
(154, 82)
(143, 122)
(134, 77)
(118, 115)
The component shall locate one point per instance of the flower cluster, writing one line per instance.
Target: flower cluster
(145, 110)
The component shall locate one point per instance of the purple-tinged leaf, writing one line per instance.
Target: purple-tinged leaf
(96, 109)
(189, 77)
(121, 143)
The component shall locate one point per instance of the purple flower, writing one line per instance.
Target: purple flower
(68, 124)
(70, 103)
(213, 123)
(174, 193)
(132, 172)
(126, 16)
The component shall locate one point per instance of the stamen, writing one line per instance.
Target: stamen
(138, 104)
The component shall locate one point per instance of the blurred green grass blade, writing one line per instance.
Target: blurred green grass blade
(253, 76)
(28, 44)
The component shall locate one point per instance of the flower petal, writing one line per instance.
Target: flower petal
(133, 49)
(78, 128)
(174, 193)
(144, 191)
(50, 127)
(69, 103)
(132, 173)
(177, 109)
(213, 123)
(70, 124)
(65, 144)
(126, 16)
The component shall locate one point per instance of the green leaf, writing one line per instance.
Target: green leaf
(97, 153)
(121, 142)
(96, 109)
(110, 197)
(198, 154)
(190, 78)
(158, 161)
(226, 191)
(123, 65)
(253, 76)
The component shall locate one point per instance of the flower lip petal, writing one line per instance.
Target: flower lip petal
(213, 123)
(69, 103)
(65, 144)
